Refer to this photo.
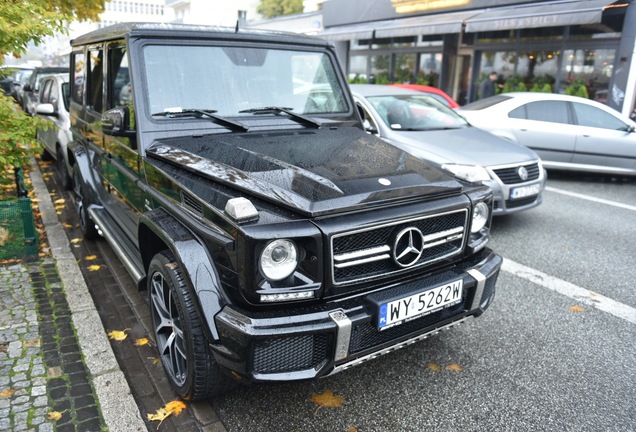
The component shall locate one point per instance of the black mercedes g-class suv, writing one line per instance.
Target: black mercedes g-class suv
(230, 172)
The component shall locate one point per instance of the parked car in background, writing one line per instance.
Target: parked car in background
(438, 94)
(31, 90)
(53, 106)
(422, 126)
(9, 77)
(568, 132)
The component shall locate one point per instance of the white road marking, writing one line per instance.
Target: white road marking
(568, 289)
(591, 198)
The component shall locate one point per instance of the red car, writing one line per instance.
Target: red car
(433, 91)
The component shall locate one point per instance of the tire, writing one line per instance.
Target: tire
(86, 224)
(178, 331)
(67, 182)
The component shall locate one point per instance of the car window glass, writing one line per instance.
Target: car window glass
(65, 94)
(54, 95)
(95, 80)
(232, 79)
(45, 93)
(367, 118)
(587, 115)
(78, 78)
(548, 111)
(518, 113)
(415, 112)
(119, 88)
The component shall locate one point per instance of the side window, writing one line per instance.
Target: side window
(593, 117)
(45, 92)
(95, 89)
(119, 88)
(78, 78)
(548, 111)
(54, 95)
(518, 113)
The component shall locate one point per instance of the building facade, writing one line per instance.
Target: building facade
(555, 46)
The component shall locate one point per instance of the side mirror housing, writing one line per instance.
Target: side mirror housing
(46, 109)
(116, 122)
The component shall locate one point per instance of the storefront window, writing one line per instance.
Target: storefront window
(539, 70)
(404, 71)
(590, 67)
(358, 69)
(430, 69)
(380, 66)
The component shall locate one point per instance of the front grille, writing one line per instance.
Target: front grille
(520, 202)
(289, 354)
(510, 175)
(370, 253)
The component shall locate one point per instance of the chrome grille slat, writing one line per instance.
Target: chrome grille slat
(367, 253)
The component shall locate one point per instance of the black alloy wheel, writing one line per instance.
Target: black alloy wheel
(67, 182)
(86, 224)
(179, 336)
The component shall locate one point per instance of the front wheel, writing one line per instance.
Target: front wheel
(181, 342)
(67, 182)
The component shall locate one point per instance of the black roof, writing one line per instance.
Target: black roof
(176, 31)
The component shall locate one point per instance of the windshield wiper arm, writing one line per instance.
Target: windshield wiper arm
(277, 110)
(199, 113)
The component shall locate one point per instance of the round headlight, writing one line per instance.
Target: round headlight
(278, 260)
(480, 217)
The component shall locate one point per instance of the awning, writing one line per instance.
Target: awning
(550, 14)
(422, 25)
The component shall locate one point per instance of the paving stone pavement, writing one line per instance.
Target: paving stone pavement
(41, 364)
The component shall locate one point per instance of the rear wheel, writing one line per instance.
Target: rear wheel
(86, 224)
(178, 330)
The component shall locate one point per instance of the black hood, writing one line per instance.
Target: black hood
(314, 172)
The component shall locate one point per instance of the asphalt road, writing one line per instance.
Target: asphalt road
(555, 351)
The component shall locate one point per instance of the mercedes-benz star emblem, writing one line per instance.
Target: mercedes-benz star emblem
(523, 173)
(408, 247)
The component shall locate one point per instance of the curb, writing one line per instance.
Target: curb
(119, 409)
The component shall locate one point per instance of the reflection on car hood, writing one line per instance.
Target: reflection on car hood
(313, 172)
(467, 145)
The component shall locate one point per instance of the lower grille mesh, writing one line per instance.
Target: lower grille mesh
(289, 354)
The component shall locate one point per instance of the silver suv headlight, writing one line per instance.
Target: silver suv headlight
(278, 260)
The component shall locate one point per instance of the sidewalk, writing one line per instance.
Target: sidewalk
(54, 353)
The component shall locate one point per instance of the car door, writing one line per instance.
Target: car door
(545, 127)
(122, 159)
(604, 142)
(47, 136)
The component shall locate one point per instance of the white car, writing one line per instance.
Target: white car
(424, 127)
(568, 132)
(53, 105)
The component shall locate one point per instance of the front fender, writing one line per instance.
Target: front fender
(203, 278)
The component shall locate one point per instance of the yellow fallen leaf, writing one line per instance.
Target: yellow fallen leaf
(155, 360)
(54, 415)
(91, 258)
(577, 308)
(454, 367)
(7, 393)
(175, 407)
(327, 399)
(76, 240)
(433, 366)
(67, 225)
(118, 335)
(94, 267)
(142, 341)
(59, 201)
(159, 416)
(353, 429)
(59, 207)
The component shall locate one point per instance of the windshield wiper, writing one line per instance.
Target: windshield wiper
(199, 113)
(277, 110)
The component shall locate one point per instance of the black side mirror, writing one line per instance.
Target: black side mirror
(27, 87)
(116, 122)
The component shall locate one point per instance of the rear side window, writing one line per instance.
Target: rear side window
(546, 111)
(78, 78)
(593, 117)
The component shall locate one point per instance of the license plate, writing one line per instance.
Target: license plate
(397, 312)
(525, 191)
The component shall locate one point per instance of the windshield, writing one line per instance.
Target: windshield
(229, 80)
(415, 112)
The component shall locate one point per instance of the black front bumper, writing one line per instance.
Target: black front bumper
(321, 340)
